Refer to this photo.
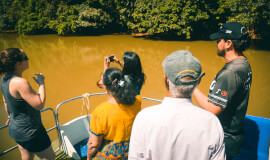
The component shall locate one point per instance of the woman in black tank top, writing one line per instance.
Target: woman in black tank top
(23, 106)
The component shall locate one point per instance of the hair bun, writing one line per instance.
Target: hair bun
(2, 68)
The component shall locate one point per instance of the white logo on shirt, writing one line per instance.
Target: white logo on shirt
(212, 86)
(248, 81)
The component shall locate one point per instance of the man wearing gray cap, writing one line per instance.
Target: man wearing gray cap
(229, 91)
(176, 129)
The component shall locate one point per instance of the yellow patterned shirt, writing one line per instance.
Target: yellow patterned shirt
(114, 122)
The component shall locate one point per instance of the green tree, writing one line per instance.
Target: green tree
(255, 14)
(10, 13)
(120, 11)
(169, 16)
(79, 19)
(91, 19)
(65, 22)
(36, 16)
(189, 19)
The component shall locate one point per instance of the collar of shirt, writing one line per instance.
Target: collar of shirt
(169, 101)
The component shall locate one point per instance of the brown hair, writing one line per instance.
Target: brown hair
(9, 57)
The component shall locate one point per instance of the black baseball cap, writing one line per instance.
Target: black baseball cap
(231, 30)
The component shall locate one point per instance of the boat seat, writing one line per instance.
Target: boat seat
(256, 139)
(73, 133)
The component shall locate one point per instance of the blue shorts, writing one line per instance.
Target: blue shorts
(36, 144)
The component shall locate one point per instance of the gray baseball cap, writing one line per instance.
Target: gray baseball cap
(180, 64)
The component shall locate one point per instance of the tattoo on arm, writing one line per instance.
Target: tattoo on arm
(93, 147)
(92, 150)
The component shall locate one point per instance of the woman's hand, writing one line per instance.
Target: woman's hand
(7, 122)
(117, 60)
(40, 78)
(106, 62)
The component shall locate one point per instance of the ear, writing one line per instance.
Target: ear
(106, 89)
(228, 44)
(199, 81)
(166, 80)
(18, 65)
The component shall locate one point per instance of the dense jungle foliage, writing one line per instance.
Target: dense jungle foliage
(188, 19)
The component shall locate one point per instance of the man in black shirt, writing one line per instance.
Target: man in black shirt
(229, 91)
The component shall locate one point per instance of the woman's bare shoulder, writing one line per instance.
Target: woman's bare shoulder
(19, 82)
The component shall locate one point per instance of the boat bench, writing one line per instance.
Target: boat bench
(256, 139)
(75, 136)
(81, 148)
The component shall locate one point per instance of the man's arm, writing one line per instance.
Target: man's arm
(203, 102)
(93, 145)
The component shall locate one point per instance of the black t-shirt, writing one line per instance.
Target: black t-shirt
(230, 91)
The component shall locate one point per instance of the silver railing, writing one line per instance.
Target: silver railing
(58, 126)
(48, 130)
(62, 144)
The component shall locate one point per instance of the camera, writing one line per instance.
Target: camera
(111, 58)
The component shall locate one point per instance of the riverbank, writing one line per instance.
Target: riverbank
(256, 43)
(8, 31)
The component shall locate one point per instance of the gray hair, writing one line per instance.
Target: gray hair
(181, 91)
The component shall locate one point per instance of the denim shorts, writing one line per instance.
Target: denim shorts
(36, 144)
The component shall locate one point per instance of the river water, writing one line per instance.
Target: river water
(72, 66)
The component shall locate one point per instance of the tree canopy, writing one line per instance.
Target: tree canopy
(188, 19)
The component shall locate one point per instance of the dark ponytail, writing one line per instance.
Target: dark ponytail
(114, 81)
(9, 57)
(133, 68)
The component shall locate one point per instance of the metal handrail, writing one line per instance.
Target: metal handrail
(61, 141)
(56, 118)
(89, 95)
(4, 126)
(61, 144)
(48, 130)
(151, 99)
(72, 99)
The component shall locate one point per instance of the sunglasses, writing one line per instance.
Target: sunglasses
(25, 58)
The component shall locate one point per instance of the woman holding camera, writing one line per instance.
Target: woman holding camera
(23, 106)
(111, 121)
(132, 69)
